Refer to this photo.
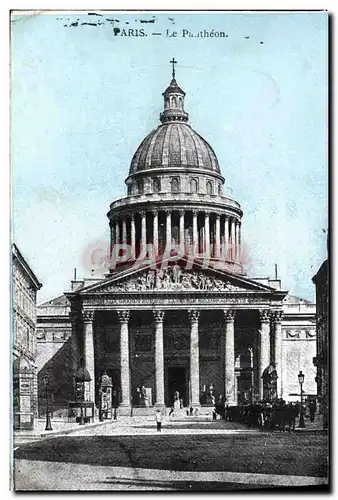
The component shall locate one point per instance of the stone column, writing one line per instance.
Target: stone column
(75, 349)
(264, 345)
(155, 232)
(117, 232)
(277, 320)
(238, 241)
(218, 237)
(123, 317)
(133, 235)
(168, 229)
(143, 229)
(233, 240)
(229, 375)
(182, 245)
(159, 358)
(226, 238)
(112, 236)
(207, 234)
(124, 231)
(194, 360)
(194, 234)
(88, 348)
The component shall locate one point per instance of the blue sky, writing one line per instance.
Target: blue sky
(83, 99)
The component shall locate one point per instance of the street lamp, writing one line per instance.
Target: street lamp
(48, 420)
(301, 416)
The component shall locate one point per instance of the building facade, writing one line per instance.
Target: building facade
(24, 290)
(321, 361)
(175, 313)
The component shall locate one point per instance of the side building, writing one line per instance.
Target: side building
(321, 361)
(24, 291)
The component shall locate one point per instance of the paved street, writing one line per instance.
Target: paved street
(215, 456)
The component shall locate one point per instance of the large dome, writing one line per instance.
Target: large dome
(174, 144)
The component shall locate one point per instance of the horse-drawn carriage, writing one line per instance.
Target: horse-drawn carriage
(265, 415)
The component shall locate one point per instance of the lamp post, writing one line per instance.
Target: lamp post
(48, 420)
(301, 416)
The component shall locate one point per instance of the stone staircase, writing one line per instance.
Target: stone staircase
(204, 413)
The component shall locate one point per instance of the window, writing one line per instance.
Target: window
(175, 185)
(209, 187)
(193, 186)
(140, 187)
(219, 189)
(129, 189)
(156, 185)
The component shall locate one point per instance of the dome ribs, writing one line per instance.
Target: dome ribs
(190, 147)
(144, 150)
(165, 151)
(174, 148)
(149, 153)
(174, 145)
(157, 153)
(197, 145)
(182, 147)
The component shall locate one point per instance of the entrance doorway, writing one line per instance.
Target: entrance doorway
(244, 387)
(177, 382)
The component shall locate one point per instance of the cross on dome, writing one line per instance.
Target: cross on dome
(173, 62)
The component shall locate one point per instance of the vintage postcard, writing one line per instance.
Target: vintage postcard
(169, 250)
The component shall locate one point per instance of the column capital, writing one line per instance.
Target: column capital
(277, 316)
(206, 214)
(229, 315)
(193, 315)
(181, 212)
(194, 212)
(265, 315)
(158, 316)
(218, 216)
(88, 316)
(142, 213)
(132, 216)
(168, 211)
(123, 316)
(154, 212)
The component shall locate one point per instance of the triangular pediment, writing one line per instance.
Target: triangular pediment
(175, 276)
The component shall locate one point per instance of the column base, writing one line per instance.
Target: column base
(124, 410)
(194, 405)
(159, 406)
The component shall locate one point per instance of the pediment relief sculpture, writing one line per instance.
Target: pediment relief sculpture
(173, 278)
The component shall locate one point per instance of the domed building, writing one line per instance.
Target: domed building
(175, 195)
(176, 318)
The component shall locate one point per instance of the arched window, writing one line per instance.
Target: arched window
(175, 185)
(193, 186)
(219, 189)
(156, 185)
(209, 187)
(140, 187)
(129, 189)
(174, 101)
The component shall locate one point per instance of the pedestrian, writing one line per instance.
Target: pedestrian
(171, 411)
(159, 420)
(312, 409)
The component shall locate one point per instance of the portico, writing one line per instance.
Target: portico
(140, 337)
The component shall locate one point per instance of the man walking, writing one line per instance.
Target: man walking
(159, 420)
